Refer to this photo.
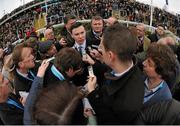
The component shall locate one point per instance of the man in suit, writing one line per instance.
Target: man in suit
(143, 42)
(78, 33)
(69, 20)
(96, 31)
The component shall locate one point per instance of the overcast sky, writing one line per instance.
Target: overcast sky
(6, 6)
(173, 6)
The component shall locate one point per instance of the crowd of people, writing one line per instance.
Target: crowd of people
(108, 74)
(21, 25)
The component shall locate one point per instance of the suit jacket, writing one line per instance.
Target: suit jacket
(119, 101)
(146, 44)
(81, 79)
(91, 38)
(143, 46)
(153, 37)
(68, 38)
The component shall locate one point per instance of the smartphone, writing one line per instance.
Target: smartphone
(84, 55)
(90, 70)
(23, 94)
(89, 48)
(50, 59)
(95, 46)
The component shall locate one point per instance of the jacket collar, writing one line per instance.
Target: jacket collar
(119, 82)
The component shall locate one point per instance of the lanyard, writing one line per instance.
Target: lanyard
(12, 102)
(57, 73)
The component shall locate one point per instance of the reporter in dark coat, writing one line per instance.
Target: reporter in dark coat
(121, 97)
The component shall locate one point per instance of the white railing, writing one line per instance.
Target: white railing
(149, 28)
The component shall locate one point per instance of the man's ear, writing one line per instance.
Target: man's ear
(70, 70)
(21, 64)
(111, 56)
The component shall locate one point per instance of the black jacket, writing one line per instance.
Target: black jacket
(10, 114)
(119, 101)
(153, 37)
(91, 38)
(161, 113)
(66, 35)
(23, 84)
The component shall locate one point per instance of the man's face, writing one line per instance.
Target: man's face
(149, 68)
(52, 51)
(50, 34)
(140, 31)
(79, 34)
(70, 23)
(97, 26)
(160, 30)
(27, 58)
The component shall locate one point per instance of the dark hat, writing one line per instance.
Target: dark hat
(45, 46)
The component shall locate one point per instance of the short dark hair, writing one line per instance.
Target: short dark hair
(68, 58)
(75, 25)
(57, 104)
(68, 17)
(97, 17)
(164, 59)
(120, 40)
(161, 25)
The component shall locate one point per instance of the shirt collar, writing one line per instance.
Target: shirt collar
(76, 45)
(122, 73)
(154, 89)
(21, 74)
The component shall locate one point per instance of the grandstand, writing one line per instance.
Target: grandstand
(83, 9)
(89, 62)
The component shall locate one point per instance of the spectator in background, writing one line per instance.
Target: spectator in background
(110, 21)
(94, 35)
(143, 42)
(47, 49)
(160, 33)
(69, 20)
(49, 35)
